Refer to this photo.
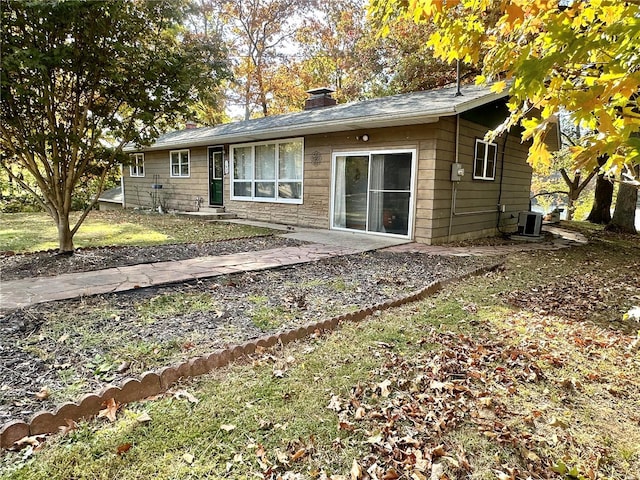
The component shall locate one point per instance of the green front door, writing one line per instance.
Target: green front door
(216, 171)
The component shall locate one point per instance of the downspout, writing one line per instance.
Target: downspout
(504, 149)
(453, 184)
(124, 204)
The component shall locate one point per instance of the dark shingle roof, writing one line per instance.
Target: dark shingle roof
(404, 109)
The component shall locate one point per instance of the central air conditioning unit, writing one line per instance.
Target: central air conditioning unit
(529, 224)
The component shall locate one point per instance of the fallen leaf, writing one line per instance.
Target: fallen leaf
(110, 410)
(344, 425)
(43, 394)
(384, 387)
(187, 457)
(439, 451)
(554, 422)
(299, 454)
(437, 471)
(334, 404)
(123, 367)
(531, 456)
(227, 427)
(282, 457)
(122, 449)
(503, 476)
(69, 427)
(143, 418)
(33, 440)
(356, 470)
(184, 394)
(391, 474)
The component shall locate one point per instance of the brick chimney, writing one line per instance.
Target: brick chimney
(320, 97)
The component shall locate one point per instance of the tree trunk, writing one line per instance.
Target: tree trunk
(65, 239)
(624, 215)
(603, 196)
(570, 207)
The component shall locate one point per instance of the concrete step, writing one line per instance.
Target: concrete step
(212, 209)
(209, 214)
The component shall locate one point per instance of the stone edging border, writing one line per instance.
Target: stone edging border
(159, 381)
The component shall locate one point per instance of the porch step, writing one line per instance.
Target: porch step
(209, 213)
(212, 209)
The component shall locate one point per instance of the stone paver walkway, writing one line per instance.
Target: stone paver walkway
(22, 293)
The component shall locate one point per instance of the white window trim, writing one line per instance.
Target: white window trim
(134, 168)
(277, 181)
(485, 175)
(188, 163)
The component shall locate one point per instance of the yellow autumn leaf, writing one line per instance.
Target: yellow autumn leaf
(539, 153)
(499, 86)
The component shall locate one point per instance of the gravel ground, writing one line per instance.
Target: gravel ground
(51, 353)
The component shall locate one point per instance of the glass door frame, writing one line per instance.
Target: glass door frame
(370, 153)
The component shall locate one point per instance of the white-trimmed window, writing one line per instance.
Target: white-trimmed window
(484, 164)
(180, 163)
(136, 168)
(270, 171)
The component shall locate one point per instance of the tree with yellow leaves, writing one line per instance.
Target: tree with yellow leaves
(573, 56)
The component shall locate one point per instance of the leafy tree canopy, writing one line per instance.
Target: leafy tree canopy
(581, 57)
(80, 79)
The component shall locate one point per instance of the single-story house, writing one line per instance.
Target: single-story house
(414, 166)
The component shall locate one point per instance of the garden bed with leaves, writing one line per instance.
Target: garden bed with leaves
(54, 352)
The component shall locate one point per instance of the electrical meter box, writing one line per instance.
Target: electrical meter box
(457, 172)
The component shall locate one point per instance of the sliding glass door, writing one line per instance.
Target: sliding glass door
(372, 192)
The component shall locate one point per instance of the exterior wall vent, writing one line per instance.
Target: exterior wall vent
(319, 98)
(529, 224)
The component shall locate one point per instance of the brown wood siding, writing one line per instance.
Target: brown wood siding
(176, 193)
(476, 195)
(435, 147)
(319, 149)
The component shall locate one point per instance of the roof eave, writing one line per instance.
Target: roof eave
(330, 126)
(360, 123)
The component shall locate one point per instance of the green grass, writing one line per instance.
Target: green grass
(175, 303)
(265, 316)
(29, 232)
(246, 409)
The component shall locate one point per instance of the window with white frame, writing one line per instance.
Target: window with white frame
(179, 163)
(484, 163)
(136, 168)
(270, 171)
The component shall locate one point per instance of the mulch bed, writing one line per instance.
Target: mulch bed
(38, 355)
